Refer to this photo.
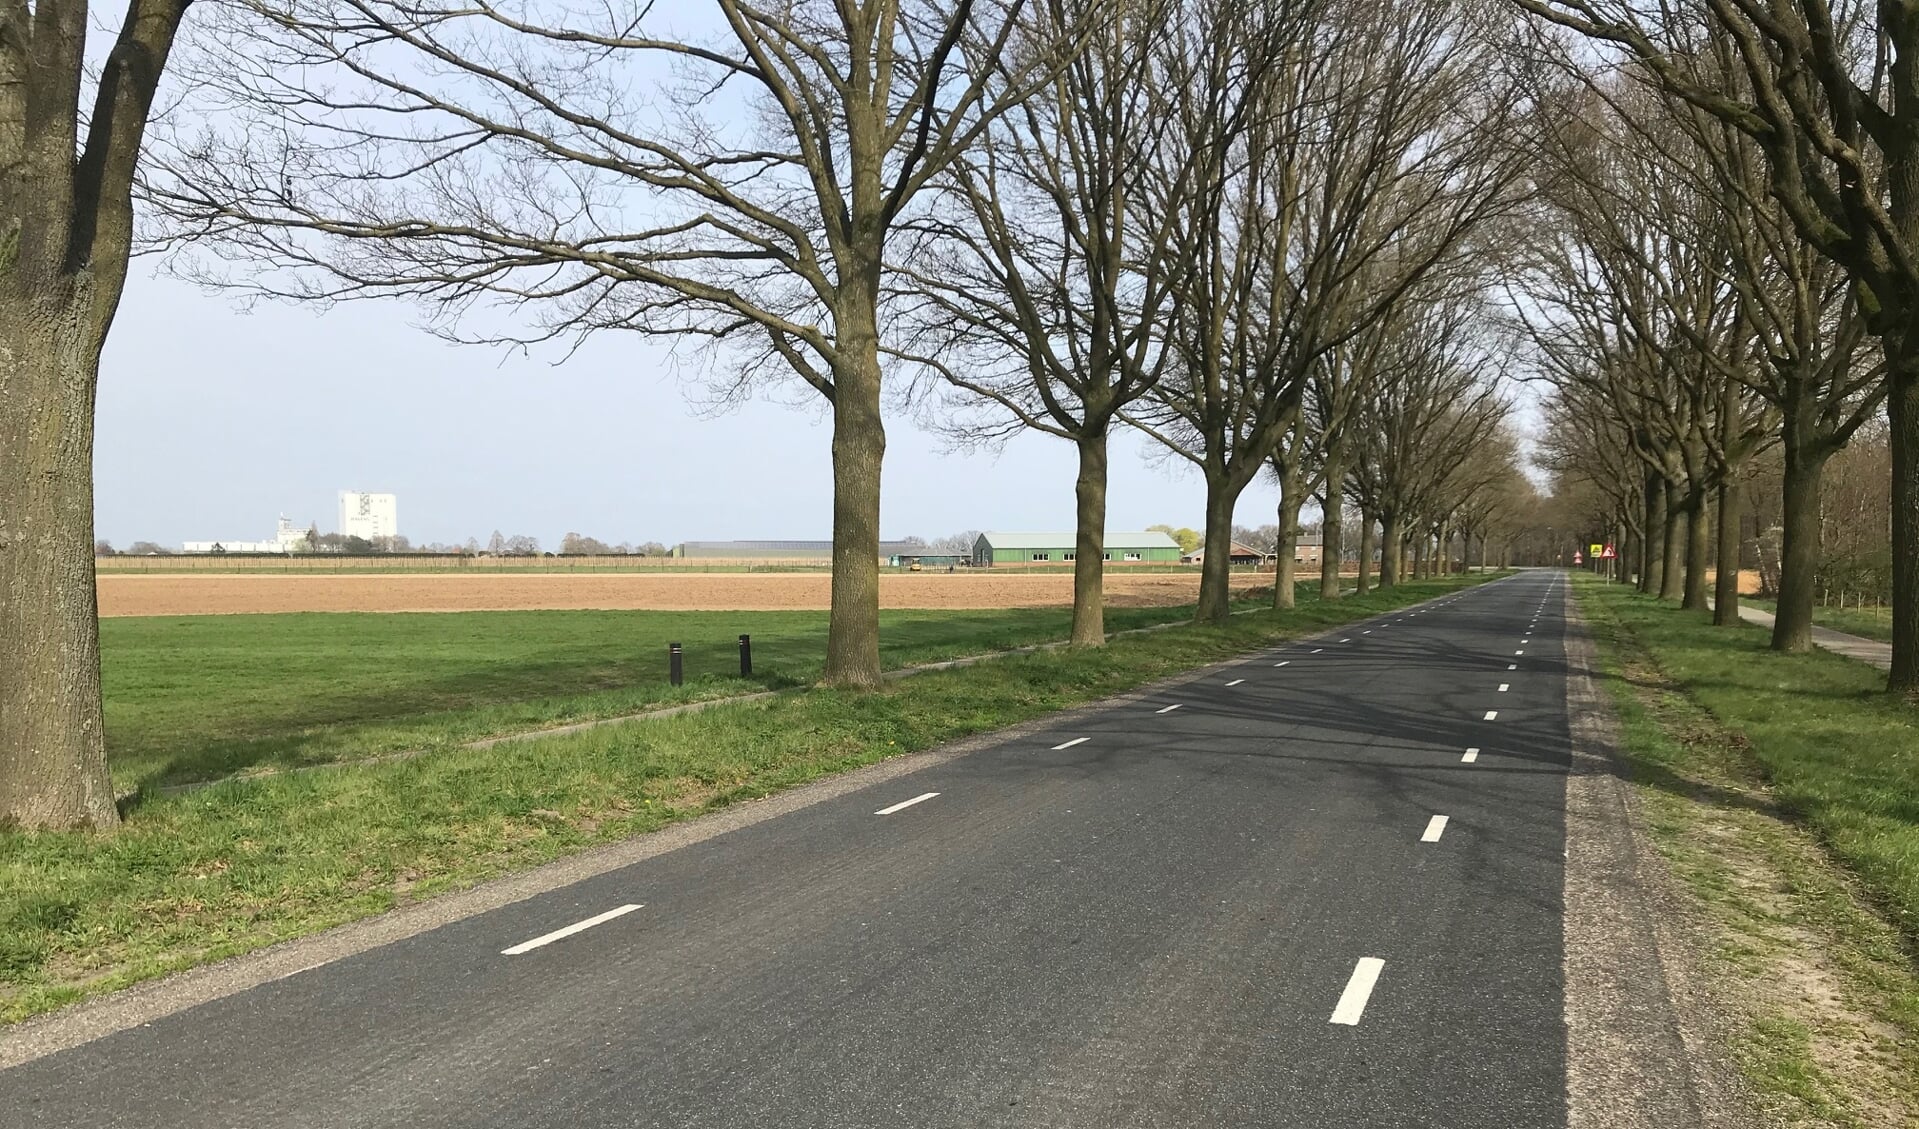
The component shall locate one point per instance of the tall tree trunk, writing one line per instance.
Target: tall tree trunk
(1215, 572)
(1332, 533)
(1290, 503)
(1444, 559)
(859, 447)
(1366, 525)
(53, 762)
(1652, 549)
(1672, 574)
(1799, 548)
(1902, 407)
(1089, 543)
(1389, 559)
(1725, 596)
(1698, 547)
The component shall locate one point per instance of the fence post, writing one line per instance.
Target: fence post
(673, 670)
(746, 656)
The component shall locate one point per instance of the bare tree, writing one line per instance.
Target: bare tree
(66, 226)
(1043, 299)
(1831, 101)
(1378, 152)
(592, 168)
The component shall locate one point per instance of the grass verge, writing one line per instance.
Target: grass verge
(242, 864)
(1780, 789)
(197, 698)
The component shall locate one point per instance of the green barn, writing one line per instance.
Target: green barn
(1057, 548)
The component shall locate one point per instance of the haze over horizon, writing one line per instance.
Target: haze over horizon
(214, 420)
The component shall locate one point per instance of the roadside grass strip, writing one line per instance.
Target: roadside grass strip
(196, 877)
(1782, 790)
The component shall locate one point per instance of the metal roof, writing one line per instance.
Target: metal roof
(887, 548)
(1152, 539)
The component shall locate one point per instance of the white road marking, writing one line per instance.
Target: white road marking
(563, 934)
(1168, 709)
(1504, 686)
(1056, 748)
(1368, 631)
(1512, 666)
(1525, 640)
(1282, 663)
(1519, 652)
(1236, 682)
(1359, 989)
(1435, 827)
(1471, 756)
(1491, 714)
(903, 804)
(1315, 650)
(1345, 640)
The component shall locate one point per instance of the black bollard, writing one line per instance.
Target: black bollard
(746, 656)
(673, 672)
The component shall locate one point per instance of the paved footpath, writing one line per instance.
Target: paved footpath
(1320, 887)
(1838, 642)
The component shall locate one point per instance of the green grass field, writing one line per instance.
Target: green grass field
(205, 874)
(1835, 749)
(200, 697)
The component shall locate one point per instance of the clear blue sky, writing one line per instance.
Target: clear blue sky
(213, 421)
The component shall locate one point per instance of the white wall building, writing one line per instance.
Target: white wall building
(288, 538)
(370, 516)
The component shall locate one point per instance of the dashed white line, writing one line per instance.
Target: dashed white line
(1519, 652)
(1435, 827)
(1368, 631)
(1491, 714)
(1236, 682)
(1359, 989)
(1315, 650)
(1512, 666)
(562, 934)
(904, 804)
(1505, 686)
(1471, 756)
(1068, 744)
(1168, 709)
(1345, 640)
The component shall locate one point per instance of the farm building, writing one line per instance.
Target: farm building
(1057, 548)
(927, 559)
(1308, 549)
(1239, 555)
(808, 551)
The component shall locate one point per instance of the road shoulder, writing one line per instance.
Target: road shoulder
(1645, 1046)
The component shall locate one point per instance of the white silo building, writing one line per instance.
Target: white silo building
(369, 516)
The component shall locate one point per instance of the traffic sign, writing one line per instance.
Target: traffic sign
(1579, 558)
(1609, 554)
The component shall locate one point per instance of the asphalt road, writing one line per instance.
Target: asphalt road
(1296, 899)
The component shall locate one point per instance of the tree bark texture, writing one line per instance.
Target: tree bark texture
(1725, 596)
(1284, 571)
(1332, 534)
(1902, 407)
(1652, 568)
(1215, 571)
(1089, 544)
(1672, 543)
(1799, 550)
(53, 762)
(859, 447)
(1390, 550)
(1366, 533)
(1698, 548)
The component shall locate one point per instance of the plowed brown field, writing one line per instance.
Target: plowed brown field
(227, 594)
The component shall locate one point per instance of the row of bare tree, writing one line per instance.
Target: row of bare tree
(1703, 281)
(1728, 260)
(1248, 228)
